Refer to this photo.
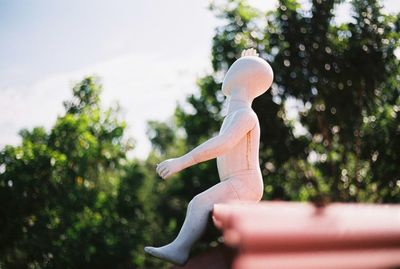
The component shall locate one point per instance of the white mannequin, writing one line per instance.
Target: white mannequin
(236, 149)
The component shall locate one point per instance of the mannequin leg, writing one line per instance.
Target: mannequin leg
(195, 223)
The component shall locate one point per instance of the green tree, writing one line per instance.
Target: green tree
(341, 75)
(69, 198)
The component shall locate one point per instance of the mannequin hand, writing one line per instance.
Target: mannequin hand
(249, 52)
(169, 167)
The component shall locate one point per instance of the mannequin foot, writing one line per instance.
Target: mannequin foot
(169, 253)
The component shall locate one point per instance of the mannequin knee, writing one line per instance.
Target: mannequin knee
(200, 202)
(195, 202)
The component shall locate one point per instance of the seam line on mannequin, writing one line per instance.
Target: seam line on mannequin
(248, 149)
(234, 190)
(240, 173)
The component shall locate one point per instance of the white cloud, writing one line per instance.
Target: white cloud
(146, 86)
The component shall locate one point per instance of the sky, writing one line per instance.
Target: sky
(148, 54)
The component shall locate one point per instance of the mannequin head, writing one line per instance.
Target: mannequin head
(251, 75)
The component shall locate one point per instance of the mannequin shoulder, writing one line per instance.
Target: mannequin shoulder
(246, 114)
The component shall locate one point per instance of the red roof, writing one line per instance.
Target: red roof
(300, 235)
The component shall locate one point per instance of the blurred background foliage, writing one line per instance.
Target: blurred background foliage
(330, 131)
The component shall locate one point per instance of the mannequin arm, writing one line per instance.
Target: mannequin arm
(242, 122)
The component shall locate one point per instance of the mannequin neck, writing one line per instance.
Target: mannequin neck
(238, 100)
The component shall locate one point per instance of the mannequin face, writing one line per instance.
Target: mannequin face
(250, 74)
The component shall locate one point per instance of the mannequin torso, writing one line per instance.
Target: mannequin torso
(244, 155)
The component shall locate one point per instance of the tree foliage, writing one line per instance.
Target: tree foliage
(69, 197)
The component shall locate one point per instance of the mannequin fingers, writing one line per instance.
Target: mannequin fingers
(244, 53)
(249, 52)
(165, 173)
(162, 170)
(162, 165)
